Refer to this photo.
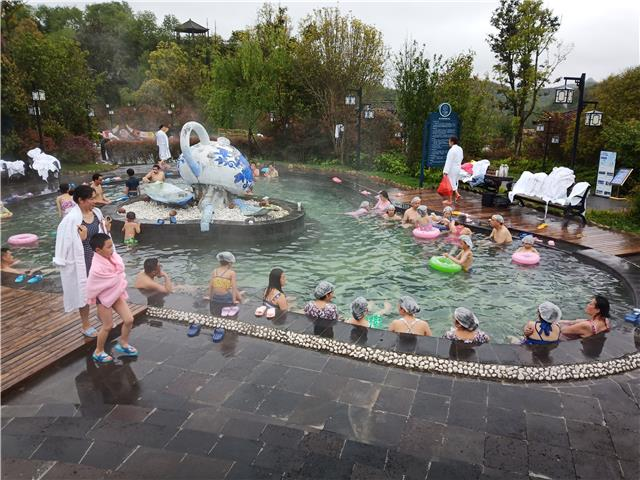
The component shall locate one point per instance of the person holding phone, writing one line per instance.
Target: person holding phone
(73, 253)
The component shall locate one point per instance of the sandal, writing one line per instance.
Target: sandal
(260, 310)
(103, 357)
(21, 278)
(173, 220)
(224, 312)
(90, 332)
(160, 221)
(36, 277)
(271, 312)
(194, 330)
(129, 351)
(218, 335)
(232, 311)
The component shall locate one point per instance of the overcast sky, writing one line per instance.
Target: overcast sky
(605, 34)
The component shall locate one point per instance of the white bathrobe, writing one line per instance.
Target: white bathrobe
(453, 164)
(69, 258)
(163, 145)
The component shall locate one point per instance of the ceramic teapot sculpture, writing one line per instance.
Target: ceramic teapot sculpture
(214, 169)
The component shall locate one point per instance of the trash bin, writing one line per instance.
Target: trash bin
(488, 199)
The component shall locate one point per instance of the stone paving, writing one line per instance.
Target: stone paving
(247, 408)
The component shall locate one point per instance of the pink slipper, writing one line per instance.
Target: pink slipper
(260, 311)
(232, 311)
(271, 312)
(225, 312)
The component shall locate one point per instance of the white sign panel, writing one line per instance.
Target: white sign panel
(606, 169)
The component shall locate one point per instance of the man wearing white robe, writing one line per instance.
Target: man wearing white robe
(163, 146)
(452, 167)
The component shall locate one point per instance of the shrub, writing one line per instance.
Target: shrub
(125, 152)
(77, 149)
(29, 139)
(392, 162)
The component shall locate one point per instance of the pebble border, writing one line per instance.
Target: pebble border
(424, 363)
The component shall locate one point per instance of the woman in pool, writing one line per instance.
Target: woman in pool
(321, 308)
(408, 323)
(274, 296)
(223, 289)
(527, 245)
(545, 330)
(465, 328)
(442, 222)
(423, 220)
(359, 310)
(465, 257)
(383, 202)
(598, 322)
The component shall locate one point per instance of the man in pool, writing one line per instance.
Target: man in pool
(145, 280)
(96, 184)
(411, 215)
(8, 261)
(155, 175)
(500, 234)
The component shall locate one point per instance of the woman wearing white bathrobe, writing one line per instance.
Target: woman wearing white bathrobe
(452, 167)
(73, 255)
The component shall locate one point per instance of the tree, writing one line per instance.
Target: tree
(336, 54)
(522, 46)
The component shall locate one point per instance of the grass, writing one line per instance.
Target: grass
(619, 220)
(87, 167)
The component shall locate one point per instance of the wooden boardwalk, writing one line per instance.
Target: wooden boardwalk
(528, 219)
(36, 332)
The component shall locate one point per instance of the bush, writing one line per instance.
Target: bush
(392, 162)
(29, 139)
(123, 152)
(77, 149)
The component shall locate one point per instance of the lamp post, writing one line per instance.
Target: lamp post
(544, 126)
(37, 96)
(565, 95)
(170, 112)
(351, 100)
(90, 115)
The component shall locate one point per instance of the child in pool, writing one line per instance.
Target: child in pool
(223, 289)
(456, 226)
(423, 220)
(391, 214)
(445, 219)
(527, 245)
(465, 257)
(130, 229)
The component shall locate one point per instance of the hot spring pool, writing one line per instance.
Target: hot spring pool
(361, 257)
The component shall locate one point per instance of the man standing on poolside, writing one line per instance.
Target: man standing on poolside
(411, 214)
(163, 146)
(500, 234)
(452, 166)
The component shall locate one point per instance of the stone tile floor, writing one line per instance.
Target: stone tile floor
(250, 409)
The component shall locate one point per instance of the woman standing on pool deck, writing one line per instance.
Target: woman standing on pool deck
(73, 254)
(408, 307)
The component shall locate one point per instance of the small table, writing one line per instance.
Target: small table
(494, 182)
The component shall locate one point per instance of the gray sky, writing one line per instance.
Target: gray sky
(605, 34)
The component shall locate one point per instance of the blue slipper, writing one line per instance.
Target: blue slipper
(160, 221)
(21, 278)
(104, 357)
(128, 351)
(173, 219)
(90, 332)
(218, 335)
(36, 278)
(194, 329)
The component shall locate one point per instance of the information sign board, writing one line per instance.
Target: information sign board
(606, 168)
(438, 127)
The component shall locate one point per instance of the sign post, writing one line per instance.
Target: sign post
(606, 169)
(438, 127)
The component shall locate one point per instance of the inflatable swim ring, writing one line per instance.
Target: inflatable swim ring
(444, 264)
(5, 213)
(419, 233)
(22, 239)
(336, 180)
(526, 258)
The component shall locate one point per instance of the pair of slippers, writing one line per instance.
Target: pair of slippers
(270, 311)
(173, 220)
(194, 330)
(34, 277)
(230, 311)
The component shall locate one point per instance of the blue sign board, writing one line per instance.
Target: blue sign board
(438, 127)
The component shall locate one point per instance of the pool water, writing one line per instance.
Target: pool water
(365, 256)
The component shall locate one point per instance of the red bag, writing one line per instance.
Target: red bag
(444, 189)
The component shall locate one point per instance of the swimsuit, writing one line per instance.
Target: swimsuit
(539, 341)
(66, 205)
(274, 301)
(222, 283)
(329, 312)
(594, 329)
(92, 229)
(410, 327)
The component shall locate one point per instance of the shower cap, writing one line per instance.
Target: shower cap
(416, 200)
(447, 210)
(409, 304)
(390, 208)
(364, 204)
(498, 218)
(226, 257)
(422, 210)
(549, 312)
(466, 318)
(528, 240)
(466, 239)
(323, 289)
(359, 308)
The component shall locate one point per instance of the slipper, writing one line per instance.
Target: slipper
(260, 310)
(36, 277)
(173, 220)
(232, 311)
(104, 357)
(194, 329)
(160, 221)
(128, 351)
(218, 335)
(90, 332)
(21, 278)
(271, 312)
(224, 312)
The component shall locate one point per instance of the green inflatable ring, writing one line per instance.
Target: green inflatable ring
(443, 264)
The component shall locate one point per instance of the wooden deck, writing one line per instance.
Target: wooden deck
(528, 219)
(37, 332)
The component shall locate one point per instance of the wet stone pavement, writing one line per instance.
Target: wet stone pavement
(251, 409)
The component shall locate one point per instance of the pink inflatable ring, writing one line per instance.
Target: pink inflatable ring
(425, 234)
(526, 258)
(336, 180)
(22, 239)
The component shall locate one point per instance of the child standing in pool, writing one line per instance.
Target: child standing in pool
(527, 245)
(465, 257)
(223, 289)
(130, 229)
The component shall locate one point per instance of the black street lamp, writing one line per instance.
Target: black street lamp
(90, 115)
(110, 113)
(37, 96)
(545, 126)
(170, 112)
(351, 100)
(565, 95)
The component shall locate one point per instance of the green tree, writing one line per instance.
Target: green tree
(525, 61)
(337, 53)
